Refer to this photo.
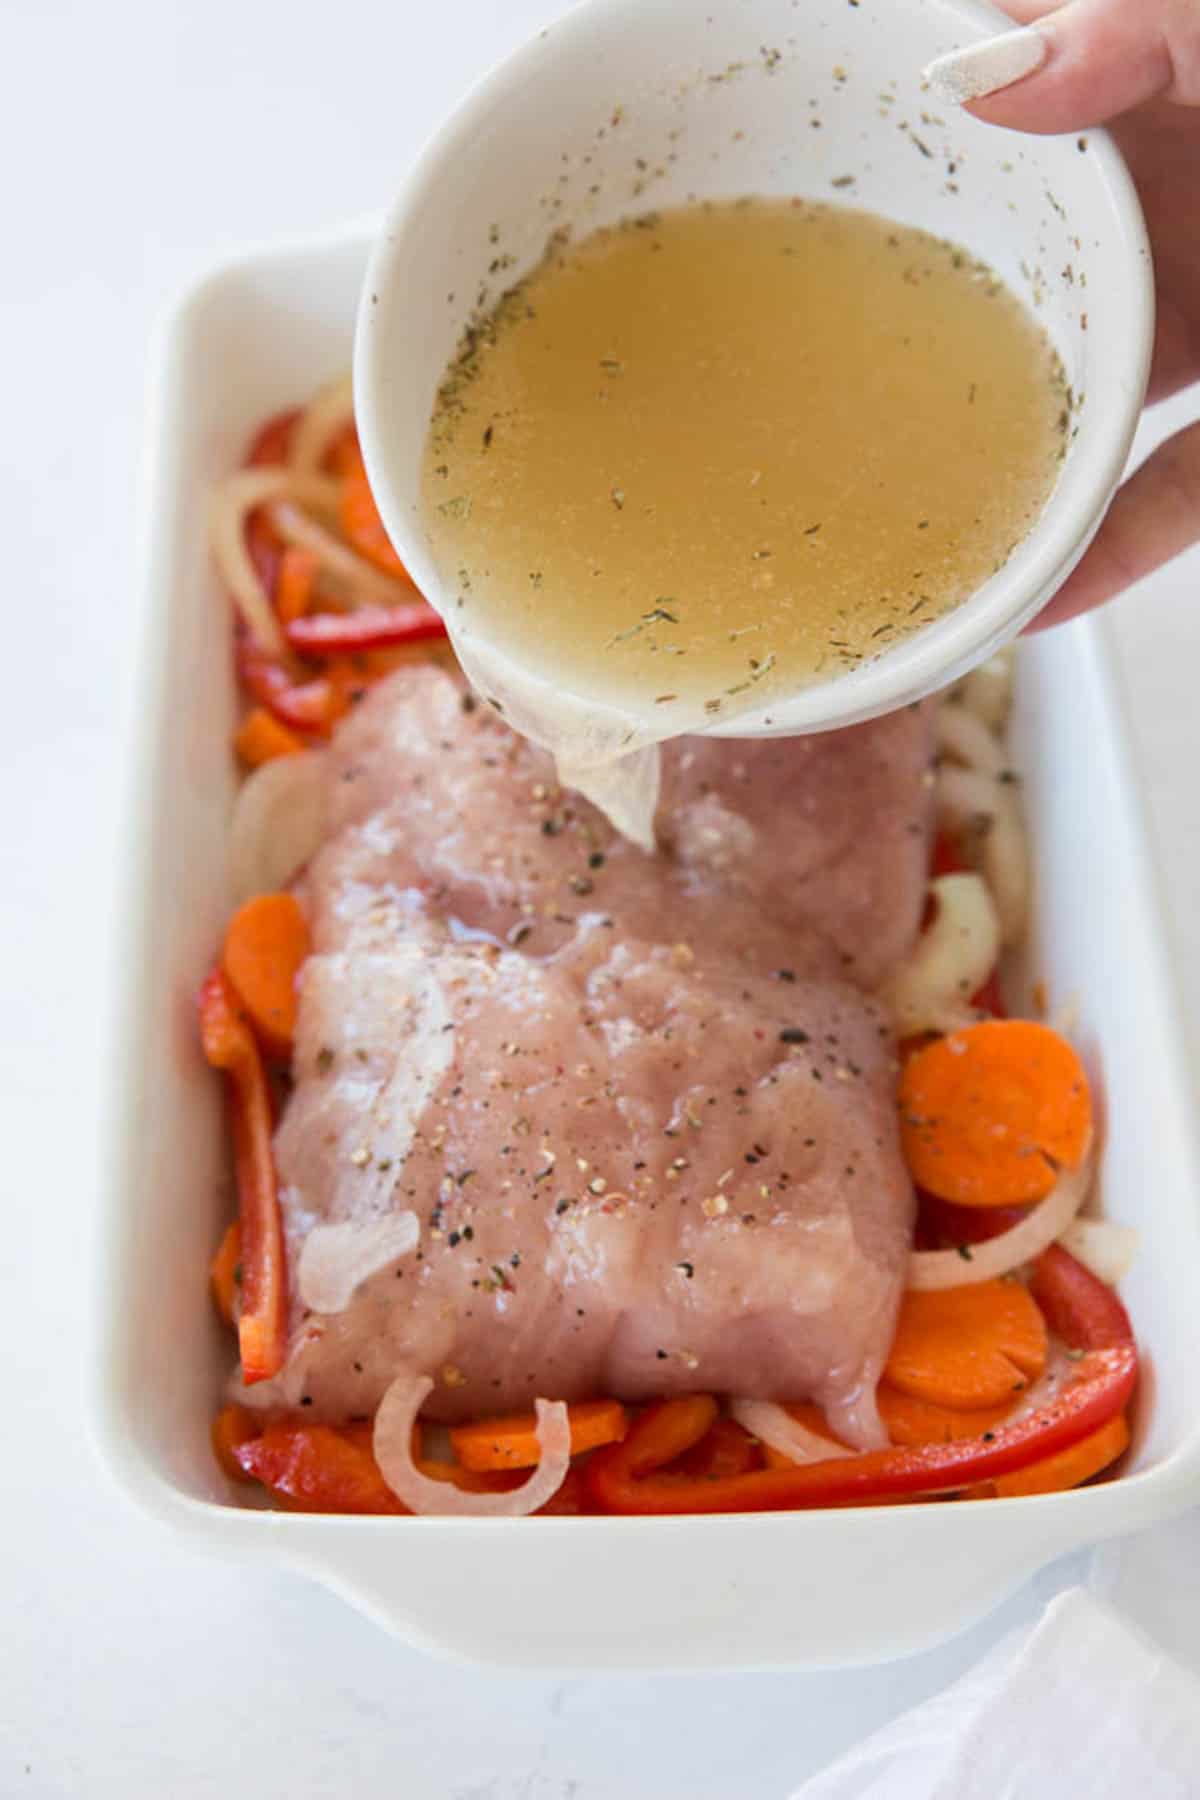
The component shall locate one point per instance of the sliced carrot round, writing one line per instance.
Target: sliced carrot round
(298, 570)
(911, 1421)
(265, 945)
(261, 737)
(968, 1347)
(989, 1114)
(511, 1442)
(1077, 1463)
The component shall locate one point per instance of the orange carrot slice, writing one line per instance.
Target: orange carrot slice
(342, 450)
(910, 1421)
(362, 1435)
(511, 1442)
(360, 518)
(350, 679)
(232, 1426)
(988, 1114)
(1078, 1463)
(295, 583)
(968, 1347)
(224, 1272)
(265, 944)
(469, 1481)
(261, 737)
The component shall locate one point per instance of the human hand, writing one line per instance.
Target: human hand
(1133, 65)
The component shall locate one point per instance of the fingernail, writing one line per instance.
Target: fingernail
(984, 68)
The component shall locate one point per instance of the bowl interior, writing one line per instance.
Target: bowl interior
(631, 105)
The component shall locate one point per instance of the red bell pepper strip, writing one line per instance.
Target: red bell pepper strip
(947, 858)
(726, 1449)
(229, 1045)
(273, 442)
(1079, 1308)
(369, 628)
(944, 1225)
(269, 447)
(989, 998)
(317, 1469)
(630, 1477)
(300, 705)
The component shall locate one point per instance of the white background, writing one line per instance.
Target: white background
(140, 140)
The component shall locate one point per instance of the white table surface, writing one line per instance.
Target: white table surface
(140, 140)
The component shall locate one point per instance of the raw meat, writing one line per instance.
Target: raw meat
(641, 1106)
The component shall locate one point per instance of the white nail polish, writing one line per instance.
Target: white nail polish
(981, 69)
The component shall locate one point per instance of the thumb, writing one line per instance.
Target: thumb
(1155, 515)
(1076, 66)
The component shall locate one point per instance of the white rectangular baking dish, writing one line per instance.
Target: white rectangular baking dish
(797, 1591)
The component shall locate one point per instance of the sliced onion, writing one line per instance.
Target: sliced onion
(965, 796)
(393, 1452)
(236, 496)
(775, 1426)
(967, 739)
(364, 584)
(330, 409)
(987, 690)
(337, 1259)
(1105, 1248)
(953, 958)
(278, 822)
(996, 1256)
(1065, 1018)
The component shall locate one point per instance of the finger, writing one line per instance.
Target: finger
(1155, 515)
(1077, 65)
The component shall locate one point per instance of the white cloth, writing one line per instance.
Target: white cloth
(1082, 1704)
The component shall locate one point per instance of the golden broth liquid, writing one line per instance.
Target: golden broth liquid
(711, 455)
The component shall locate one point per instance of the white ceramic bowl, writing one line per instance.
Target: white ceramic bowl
(800, 1590)
(627, 105)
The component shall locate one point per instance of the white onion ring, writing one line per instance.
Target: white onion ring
(393, 1452)
(336, 1259)
(968, 740)
(365, 585)
(231, 500)
(952, 959)
(929, 1269)
(774, 1426)
(278, 822)
(966, 795)
(330, 408)
(1107, 1249)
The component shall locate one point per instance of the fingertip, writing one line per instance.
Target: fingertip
(1075, 68)
(966, 76)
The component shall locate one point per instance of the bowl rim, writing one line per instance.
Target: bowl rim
(1009, 599)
